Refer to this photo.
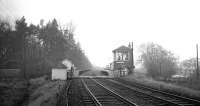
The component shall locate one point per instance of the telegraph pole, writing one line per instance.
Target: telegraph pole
(197, 71)
(133, 66)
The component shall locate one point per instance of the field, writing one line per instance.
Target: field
(170, 87)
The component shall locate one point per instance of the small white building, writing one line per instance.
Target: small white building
(60, 72)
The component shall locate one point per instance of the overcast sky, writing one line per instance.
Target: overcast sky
(103, 25)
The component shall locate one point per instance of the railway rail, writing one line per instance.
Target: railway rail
(118, 92)
(191, 101)
(162, 98)
(103, 96)
(91, 93)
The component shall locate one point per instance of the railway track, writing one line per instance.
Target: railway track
(159, 97)
(87, 92)
(103, 96)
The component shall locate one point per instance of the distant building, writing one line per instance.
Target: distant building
(123, 62)
(60, 72)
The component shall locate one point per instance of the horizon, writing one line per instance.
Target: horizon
(101, 26)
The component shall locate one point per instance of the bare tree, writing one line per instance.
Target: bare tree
(188, 68)
(158, 61)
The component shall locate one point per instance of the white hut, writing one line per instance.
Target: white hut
(60, 72)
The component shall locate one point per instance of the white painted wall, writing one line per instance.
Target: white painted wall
(60, 74)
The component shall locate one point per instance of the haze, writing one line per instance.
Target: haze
(103, 25)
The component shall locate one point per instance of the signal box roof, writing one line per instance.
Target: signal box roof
(122, 48)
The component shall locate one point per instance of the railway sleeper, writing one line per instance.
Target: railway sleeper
(162, 104)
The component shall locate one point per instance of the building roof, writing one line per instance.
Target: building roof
(122, 48)
(60, 65)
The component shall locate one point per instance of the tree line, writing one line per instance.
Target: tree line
(161, 63)
(37, 48)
